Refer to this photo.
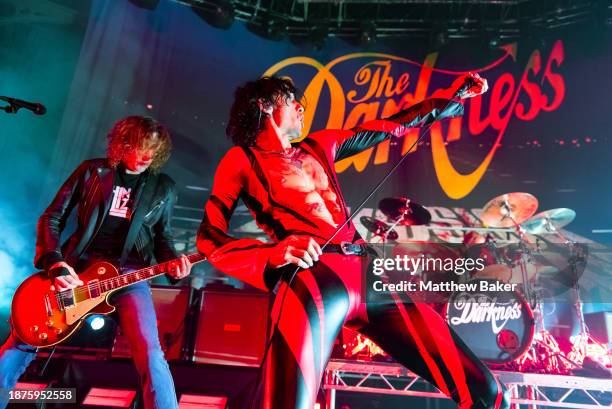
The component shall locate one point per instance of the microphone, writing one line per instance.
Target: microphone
(469, 83)
(16, 104)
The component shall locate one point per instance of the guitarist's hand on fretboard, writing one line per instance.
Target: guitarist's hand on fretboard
(64, 277)
(179, 268)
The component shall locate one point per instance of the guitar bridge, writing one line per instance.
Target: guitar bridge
(65, 299)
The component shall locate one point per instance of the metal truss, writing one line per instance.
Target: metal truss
(557, 391)
(458, 19)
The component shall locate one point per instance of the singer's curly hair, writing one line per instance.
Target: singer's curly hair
(136, 132)
(246, 119)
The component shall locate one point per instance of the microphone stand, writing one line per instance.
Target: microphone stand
(15, 105)
(10, 109)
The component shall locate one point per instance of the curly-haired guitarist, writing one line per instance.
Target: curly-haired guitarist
(123, 206)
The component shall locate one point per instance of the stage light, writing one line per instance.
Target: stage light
(367, 34)
(145, 4)
(219, 14)
(31, 385)
(95, 322)
(494, 41)
(114, 398)
(269, 27)
(202, 402)
(276, 29)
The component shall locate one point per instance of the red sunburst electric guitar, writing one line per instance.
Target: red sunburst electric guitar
(43, 318)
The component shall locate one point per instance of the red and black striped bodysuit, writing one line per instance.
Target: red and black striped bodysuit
(296, 192)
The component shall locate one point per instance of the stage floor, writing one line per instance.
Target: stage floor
(351, 384)
(556, 391)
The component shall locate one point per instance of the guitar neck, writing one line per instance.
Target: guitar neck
(115, 283)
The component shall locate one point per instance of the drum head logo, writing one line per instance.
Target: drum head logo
(480, 308)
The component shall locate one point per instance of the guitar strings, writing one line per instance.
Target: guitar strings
(123, 278)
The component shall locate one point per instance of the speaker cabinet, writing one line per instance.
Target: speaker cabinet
(171, 307)
(232, 327)
(600, 326)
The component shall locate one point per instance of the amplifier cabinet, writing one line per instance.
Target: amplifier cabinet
(171, 307)
(600, 326)
(232, 327)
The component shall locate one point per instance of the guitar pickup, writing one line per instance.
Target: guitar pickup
(94, 288)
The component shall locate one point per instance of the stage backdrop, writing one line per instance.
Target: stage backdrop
(543, 127)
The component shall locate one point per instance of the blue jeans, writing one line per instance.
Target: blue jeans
(139, 324)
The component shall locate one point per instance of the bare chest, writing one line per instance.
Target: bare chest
(296, 171)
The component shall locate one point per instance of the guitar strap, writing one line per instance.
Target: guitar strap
(144, 196)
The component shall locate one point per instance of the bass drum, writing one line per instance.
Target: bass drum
(498, 326)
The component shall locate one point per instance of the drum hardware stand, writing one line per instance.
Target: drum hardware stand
(551, 359)
(544, 354)
(523, 242)
(584, 338)
(550, 227)
(544, 350)
(491, 245)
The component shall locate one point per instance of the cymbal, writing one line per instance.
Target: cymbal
(509, 209)
(379, 228)
(549, 221)
(411, 213)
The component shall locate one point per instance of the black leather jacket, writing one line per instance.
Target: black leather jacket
(89, 189)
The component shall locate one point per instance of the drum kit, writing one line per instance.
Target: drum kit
(507, 329)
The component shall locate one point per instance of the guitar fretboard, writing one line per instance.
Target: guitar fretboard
(123, 280)
(97, 288)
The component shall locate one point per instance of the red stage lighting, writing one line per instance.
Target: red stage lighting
(114, 398)
(202, 402)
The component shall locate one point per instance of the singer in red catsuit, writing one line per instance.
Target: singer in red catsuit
(292, 191)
